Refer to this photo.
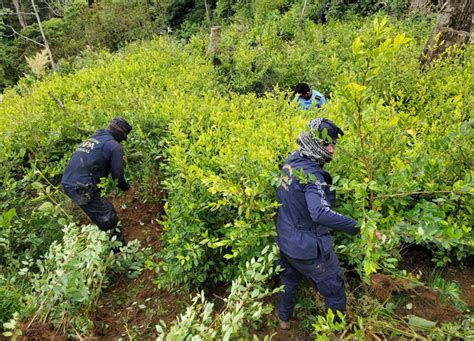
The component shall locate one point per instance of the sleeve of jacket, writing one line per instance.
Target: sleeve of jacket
(117, 167)
(322, 100)
(321, 211)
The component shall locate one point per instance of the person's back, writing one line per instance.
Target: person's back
(297, 231)
(91, 160)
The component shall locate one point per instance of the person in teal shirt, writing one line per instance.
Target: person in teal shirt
(309, 98)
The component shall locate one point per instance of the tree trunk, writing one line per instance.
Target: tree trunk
(35, 10)
(213, 47)
(303, 9)
(422, 6)
(19, 14)
(452, 28)
(214, 39)
(169, 33)
(208, 16)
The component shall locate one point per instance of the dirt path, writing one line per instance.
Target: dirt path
(131, 308)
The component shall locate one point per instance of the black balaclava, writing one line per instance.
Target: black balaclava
(311, 144)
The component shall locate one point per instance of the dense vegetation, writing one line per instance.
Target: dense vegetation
(213, 136)
(74, 28)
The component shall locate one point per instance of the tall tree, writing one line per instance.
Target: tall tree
(452, 28)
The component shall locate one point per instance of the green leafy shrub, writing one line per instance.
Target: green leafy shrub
(243, 305)
(70, 279)
(5, 58)
(398, 159)
(221, 203)
(54, 134)
(73, 273)
(214, 220)
(12, 296)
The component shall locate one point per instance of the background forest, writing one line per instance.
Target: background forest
(213, 122)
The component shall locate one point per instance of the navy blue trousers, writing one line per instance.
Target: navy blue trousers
(325, 275)
(99, 210)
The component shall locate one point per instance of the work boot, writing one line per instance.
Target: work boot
(285, 325)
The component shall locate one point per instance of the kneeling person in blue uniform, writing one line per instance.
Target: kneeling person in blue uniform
(305, 218)
(100, 155)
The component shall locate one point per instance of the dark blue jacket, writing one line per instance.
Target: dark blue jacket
(96, 158)
(305, 215)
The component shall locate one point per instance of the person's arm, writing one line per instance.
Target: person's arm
(321, 211)
(117, 167)
(319, 98)
(322, 100)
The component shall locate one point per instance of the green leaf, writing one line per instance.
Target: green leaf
(419, 322)
(9, 325)
(37, 185)
(400, 39)
(46, 207)
(6, 217)
(356, 89)
(357, 45)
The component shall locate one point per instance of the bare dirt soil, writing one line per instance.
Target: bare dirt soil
(41, 331)
(424, 301)
(417, 259)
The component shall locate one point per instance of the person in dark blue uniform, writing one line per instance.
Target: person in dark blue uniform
(97, 157)
(305, 218)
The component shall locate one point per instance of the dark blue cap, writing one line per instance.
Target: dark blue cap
(332, 131)
(120, 125)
